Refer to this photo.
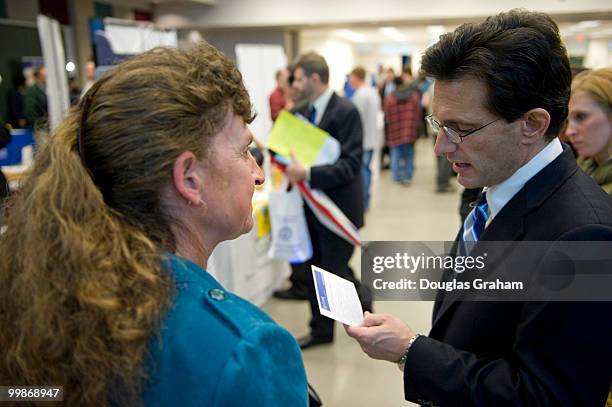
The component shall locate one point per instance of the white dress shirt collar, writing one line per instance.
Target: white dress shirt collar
(321, 104)
(499, 195)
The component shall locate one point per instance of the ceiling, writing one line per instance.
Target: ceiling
(579, 30)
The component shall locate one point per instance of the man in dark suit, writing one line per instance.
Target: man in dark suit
(500, 99)
(341, 181)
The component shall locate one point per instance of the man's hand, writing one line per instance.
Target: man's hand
(289, 105)
(295, 171)
(382, 336)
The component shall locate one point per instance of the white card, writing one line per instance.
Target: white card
(337, 297)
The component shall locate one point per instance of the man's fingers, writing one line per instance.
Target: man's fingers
(353, 331)
(373, 319)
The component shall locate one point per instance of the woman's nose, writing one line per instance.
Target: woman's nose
(258, 173)
(570, 130)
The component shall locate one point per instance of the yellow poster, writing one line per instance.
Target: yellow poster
(290, 134)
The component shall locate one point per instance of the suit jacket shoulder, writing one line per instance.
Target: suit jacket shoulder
(555, 201)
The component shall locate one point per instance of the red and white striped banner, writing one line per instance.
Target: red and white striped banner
(326, 211)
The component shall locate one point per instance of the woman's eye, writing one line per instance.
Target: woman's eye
(579, 117)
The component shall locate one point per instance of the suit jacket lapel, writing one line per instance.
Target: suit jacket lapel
(328, 113)
(301, 108)
(509, 223)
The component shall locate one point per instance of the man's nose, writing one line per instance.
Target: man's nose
(443, 144)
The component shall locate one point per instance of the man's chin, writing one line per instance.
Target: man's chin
(467, 182)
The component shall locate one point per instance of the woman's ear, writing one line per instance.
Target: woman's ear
(186, 178)
(535, 124)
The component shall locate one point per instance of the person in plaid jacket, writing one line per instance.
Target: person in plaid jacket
(402, 118)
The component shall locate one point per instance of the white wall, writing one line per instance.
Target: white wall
(598, 54)
(339, 55)
(258, 13)
(258, 64)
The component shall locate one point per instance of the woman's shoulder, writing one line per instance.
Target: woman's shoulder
(211, 336)
(600, 174)
(199, 295)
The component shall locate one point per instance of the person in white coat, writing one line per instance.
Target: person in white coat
(367, 101)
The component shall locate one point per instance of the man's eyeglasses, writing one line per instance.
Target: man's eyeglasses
(454, 135)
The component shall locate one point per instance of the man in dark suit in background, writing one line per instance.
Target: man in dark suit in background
(500, 99)
(341, 181)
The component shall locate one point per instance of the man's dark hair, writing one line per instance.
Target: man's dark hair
(518, 55)
(314, 63)
(359, 72)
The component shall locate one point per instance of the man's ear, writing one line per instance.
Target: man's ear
(186, 179)
(535, 124)
(316, 78)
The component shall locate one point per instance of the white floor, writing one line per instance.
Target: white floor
(341, 373)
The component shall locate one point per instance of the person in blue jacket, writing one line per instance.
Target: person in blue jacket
(106, 291)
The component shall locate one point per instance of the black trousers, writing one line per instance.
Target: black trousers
(332, 253)
(299, 277)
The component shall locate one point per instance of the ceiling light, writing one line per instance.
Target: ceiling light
(436, 29)
(393, 33)
(351, 35)
(589, 24)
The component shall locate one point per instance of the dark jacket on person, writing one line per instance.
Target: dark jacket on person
(15, 107)
(511, 353)
(341, 181)
(36, 111)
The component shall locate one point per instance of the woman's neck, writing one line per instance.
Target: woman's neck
(192, 246)
(190, 253)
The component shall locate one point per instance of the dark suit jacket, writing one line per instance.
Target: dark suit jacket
(341, 181)
(524, 353)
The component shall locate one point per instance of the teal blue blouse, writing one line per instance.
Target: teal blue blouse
(216, 349)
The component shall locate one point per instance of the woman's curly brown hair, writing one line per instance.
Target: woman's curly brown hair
(82, 287)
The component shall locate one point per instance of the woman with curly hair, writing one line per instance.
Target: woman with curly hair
(103, 287)
(590, 124)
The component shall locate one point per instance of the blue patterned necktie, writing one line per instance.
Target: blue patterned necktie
(312, 114)
(474, 225)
